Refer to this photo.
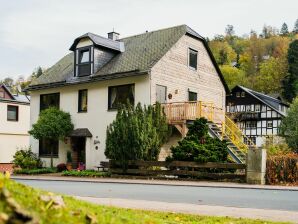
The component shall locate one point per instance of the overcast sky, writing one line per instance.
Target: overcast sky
(36, 32)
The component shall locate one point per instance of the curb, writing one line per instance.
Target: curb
(168, 183)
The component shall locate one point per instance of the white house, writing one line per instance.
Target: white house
(14, 125)
(168, 65)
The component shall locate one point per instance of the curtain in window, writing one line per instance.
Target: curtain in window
(113, 97)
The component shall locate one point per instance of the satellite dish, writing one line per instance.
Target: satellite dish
(19, 88)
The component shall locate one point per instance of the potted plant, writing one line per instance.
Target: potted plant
(69, 161)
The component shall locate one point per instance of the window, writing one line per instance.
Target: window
(251, 124)
(83, 100)
(83, 62)
(257, 107)
(250, 140)
(242, 94)
(192, 96)
(12, 113)
(1, 94)
(269, 124)
(193, 59)
(238, 94)
(48, 147)
(121, 95)
(49, 100)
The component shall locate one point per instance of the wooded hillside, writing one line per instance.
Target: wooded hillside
(260, 61)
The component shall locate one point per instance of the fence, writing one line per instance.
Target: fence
(208, 170)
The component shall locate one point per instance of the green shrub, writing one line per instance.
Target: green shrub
(26, 159)
(35, 171)
(85, 173)
(136, 134)
(199, 146)
(282, 169)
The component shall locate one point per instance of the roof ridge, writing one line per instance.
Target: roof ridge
(254, 91)
(163, 29)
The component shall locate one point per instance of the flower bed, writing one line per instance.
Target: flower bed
(282, 169)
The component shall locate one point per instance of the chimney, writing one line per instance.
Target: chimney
(113, 35)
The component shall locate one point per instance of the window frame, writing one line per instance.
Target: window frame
(238, 94)
(78, 63)
(192, 92)
(269, 122)
(43, 155)
(110, 108)
(17, 113)
(40, 103)
(80, 110)
(191, 50)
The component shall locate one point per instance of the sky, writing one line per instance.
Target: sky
(39, 32)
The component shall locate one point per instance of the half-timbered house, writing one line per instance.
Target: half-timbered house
(256, 114)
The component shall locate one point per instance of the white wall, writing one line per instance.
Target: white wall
(13, 134)
(96, 119)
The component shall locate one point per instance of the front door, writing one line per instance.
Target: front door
(78, 151)
(161, 94)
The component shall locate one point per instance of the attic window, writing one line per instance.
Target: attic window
(193, 59)
(84, 62)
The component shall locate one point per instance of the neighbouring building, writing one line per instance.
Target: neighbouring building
(14, 125)
(256, 114)
(168, 65)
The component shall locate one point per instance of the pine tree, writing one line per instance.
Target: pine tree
(295, 30)
(284, 29)
(290, 83)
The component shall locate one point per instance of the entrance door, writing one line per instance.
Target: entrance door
(161, 94)
(79, 152)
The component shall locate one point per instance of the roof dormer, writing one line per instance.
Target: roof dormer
(92, 52)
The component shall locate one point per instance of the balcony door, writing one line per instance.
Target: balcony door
(161, 94)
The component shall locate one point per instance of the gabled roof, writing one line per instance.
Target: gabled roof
(15, 97)
(141, 53)
(99, 41)
(268, 100)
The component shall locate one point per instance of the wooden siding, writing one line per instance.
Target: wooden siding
(173, 72)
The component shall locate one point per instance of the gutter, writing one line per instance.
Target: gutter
(91, 79)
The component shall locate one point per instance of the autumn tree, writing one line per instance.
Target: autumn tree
(233, 76)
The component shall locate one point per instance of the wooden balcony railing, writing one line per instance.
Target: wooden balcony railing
(191, 110)
(180, 112)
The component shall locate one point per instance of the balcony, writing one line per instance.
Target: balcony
(244, 116)
(181, 112)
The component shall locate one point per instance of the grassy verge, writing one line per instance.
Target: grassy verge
(76, 211)
(85, 173)
(35, 171)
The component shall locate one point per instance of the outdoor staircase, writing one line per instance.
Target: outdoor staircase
(181, 114)
(237, 155)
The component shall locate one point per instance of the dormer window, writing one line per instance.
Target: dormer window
(83, 61)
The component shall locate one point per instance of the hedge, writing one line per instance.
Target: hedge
(282, 169)
(35, 171)
(85, 173)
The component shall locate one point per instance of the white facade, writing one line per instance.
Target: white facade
(171, 71)
(13, 134)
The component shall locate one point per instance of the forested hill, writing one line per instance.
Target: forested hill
(262, 62)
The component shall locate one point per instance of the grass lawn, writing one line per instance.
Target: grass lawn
(76, 211)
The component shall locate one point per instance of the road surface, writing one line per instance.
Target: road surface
(285, 200)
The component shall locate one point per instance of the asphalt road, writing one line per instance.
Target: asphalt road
(234, 197)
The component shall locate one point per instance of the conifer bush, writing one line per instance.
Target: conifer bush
(198, 146)
(137, 133)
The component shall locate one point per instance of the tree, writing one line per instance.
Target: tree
(230, 30)
(233, 76)
(284, 29)
(223, 52)
(290, 82)
(272, 72)
(295, 30)
(199, 146)
(8, 81)
(52, 124)
(137, 133)
(289, 126)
